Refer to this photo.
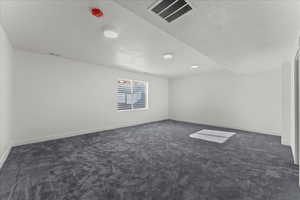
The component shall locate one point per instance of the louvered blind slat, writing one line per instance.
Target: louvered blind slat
(123, 92)
(139, 95)
(131, 95)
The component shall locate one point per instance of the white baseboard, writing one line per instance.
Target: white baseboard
(72, 133)
(6, 152)
(56, 136)
(259, 131)
(4, 155)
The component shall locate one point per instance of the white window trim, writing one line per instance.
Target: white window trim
(147, 95)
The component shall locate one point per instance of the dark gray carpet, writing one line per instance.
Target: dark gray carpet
(156, 161)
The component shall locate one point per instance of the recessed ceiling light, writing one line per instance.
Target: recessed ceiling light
(110, 33)
(194, 67)
(168, 56)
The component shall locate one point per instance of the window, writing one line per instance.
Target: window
(132, 95)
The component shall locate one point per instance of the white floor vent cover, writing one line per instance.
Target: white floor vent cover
(212, 135)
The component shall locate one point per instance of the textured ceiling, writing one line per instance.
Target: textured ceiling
(68, 29)
(242, 36)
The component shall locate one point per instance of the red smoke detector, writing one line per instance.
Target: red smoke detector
(97, 12)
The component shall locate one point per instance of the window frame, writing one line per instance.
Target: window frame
(131, 84)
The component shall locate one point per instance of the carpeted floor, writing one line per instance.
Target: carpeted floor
(156, 161)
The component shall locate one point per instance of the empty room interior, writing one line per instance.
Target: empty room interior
(149, 99)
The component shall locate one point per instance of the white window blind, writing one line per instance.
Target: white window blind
(132, 95)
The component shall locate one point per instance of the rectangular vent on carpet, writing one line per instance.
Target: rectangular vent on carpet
(212, 135)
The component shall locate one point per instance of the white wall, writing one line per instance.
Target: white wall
(6, 54)
(202, 99)
(288, 121)
(249, 102)
(56, 97)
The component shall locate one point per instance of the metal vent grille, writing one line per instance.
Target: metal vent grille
(171, 10)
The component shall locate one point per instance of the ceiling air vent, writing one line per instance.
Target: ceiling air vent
(170, 10)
